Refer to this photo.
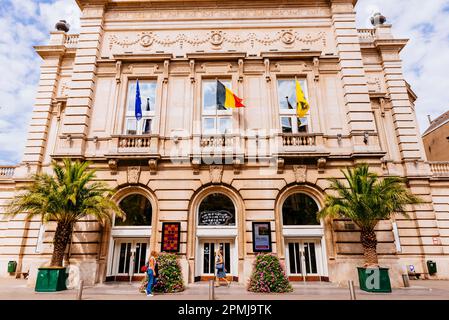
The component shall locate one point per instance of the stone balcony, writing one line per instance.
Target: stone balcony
(439, 169)
(134, 146)
(7, 172)
(71, 40)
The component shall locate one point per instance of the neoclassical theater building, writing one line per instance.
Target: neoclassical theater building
(239, 179)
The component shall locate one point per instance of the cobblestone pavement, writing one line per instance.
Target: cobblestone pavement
(16, 289)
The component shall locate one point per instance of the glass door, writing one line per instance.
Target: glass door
(130, 255)
(302, 257)
(208, 249)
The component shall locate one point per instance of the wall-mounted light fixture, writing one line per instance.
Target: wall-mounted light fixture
(340, 138)
(365, 137)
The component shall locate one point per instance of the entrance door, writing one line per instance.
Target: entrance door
(304, 259)
(208, 248)
(129, 257)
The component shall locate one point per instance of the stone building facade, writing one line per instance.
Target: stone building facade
(186, 161)
(436, 139)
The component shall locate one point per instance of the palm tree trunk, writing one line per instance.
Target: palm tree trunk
(62, 238)
(369, 242)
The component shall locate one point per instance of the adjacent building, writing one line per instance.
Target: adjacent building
(246, 179)
(436, 139)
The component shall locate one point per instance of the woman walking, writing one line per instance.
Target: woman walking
(152, 273)
(219, 266)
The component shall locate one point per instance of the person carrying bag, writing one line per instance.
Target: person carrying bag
(219, 266)
(152, 272)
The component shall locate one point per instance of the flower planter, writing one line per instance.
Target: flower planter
(51, 280)
(374, 280)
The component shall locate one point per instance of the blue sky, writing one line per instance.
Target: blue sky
(25, 23)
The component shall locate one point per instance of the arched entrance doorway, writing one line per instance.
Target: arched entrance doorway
(302, 236)
(130, 237)
(216, 214)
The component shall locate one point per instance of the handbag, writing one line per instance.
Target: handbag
(219, 266)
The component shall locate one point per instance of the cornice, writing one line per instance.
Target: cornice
(290, 54)
(396, 44)
(216, 55)
(205, 3)
(48, 51)
(143, 57)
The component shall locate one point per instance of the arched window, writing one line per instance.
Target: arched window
(216, 209)
(300, 209)
(138, 211)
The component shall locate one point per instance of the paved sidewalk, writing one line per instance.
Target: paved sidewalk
(16, 289)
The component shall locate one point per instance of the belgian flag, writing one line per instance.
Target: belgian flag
(226, 98)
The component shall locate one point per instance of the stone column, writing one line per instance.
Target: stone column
(355, 88)
(79, 104)
(52, 55)
(404, 117)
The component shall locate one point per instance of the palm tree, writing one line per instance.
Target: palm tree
(367, 200)
(65, 198)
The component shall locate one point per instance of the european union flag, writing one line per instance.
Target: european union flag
(138, 106)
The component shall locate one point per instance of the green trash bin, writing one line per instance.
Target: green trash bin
(432, 267)
(374, 280)
(51, 279)
(12, 265)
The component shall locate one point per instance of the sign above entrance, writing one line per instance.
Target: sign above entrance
(171, 234)
(216, 218)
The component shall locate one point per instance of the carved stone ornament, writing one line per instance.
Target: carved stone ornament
(216, 173)
(280, 165)
(237, 163)
(216, 38)
(287, 37)
(133, 175)
(300, 173)
(146, 40)
(321, 164)
(196, 166)
(113, 165)
(152, 163)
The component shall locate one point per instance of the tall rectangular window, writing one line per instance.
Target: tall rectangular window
(290, 123)
(148, 98)
(214, 121)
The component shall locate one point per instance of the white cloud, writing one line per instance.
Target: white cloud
(426, 56)
(24, 23)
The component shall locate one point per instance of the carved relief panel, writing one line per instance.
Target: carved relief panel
(252, 41)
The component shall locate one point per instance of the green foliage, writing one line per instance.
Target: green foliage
(366, 199)
(67, 196)
(169, 279)
(268, 275)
